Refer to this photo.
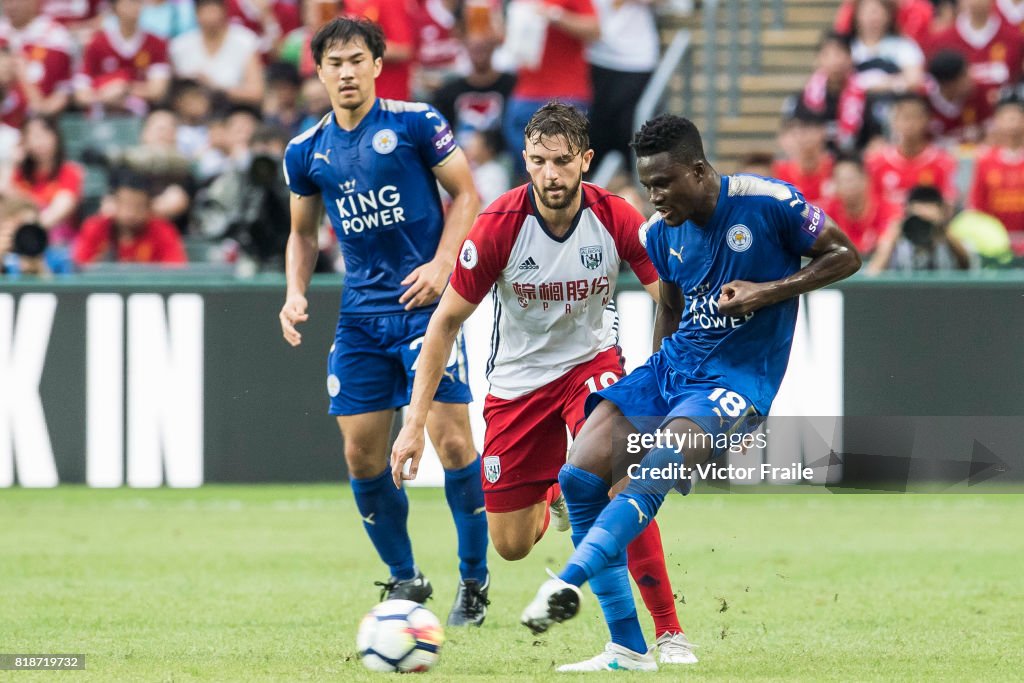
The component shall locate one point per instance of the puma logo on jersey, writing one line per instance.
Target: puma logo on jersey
(677, 254)
(326, 156)
(638, 510)
(368, 519)
(529, 264)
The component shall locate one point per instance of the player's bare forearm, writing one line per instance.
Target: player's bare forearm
(303, 245)
(456, 178)
(442, 331)
(833, 258)
(669, 313)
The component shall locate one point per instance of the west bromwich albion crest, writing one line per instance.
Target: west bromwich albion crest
(591, 257)
(492, 468)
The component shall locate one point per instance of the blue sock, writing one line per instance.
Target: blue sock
(385, 509)
(586, 495)
(466, 500)
(622, 519)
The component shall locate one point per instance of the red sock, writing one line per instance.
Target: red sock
(646, 560)
(552, 495)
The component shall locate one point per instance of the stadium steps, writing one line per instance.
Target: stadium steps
(787, 59)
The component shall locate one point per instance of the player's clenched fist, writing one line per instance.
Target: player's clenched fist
(292, 313)
(408, 446)
(740, 298)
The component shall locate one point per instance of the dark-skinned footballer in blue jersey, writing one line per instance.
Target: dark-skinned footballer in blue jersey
(374, 166)
(728, 251)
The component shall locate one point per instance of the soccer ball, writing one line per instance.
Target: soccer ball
(400, 635)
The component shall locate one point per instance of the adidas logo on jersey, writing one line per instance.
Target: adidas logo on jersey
(529, 264)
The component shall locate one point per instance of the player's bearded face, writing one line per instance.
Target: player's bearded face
(556, 172)
(348, 72)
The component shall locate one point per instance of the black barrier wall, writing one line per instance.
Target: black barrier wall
(125, 382)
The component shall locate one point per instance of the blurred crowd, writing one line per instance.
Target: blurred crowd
(151, 131)
(910, 132)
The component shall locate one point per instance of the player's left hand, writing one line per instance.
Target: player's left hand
(408, 446)
(425, 284)
(740, 297)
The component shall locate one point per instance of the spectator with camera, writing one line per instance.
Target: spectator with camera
(920, 241)
(131, 233)
(24, 244)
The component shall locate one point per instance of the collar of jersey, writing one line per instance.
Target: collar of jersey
(723, 193)
(544, 224)
(372, 114)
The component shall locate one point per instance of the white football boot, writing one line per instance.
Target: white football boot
(555, 602)
(614, 658)
(675, 648)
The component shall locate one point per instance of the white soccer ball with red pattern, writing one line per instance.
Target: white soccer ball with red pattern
(400, 635)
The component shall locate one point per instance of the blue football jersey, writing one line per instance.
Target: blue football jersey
(380, 194)
(759, 230)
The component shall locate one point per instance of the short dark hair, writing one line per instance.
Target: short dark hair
(199, 3)
(669, 133)
(126, 179)
(830, 37)
(558, 118)
(947, 65)
(345, 30)
(925, 194)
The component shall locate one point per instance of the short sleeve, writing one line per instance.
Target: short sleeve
(797, 222)
(625, 224)
(648, 234)
(295, 171)
(432, 136)
(481, 259)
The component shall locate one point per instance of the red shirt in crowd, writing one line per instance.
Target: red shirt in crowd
(40, 190)
(247, 13)
(998, 186)
(1012, 13)
(563, 70)
(993, 53)
(811, 184)
(70, 12)
(47, 47)
(913, 18)
(865, 228)
(957, 121)
(158, 242)
(111, 57)
(891, 175)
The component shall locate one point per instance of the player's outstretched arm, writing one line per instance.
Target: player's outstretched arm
(299, 261)
(428, 281)
(437, 347)
(669, 312)
(833, 258)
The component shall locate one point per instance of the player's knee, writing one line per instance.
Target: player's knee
(363, 461)
(512, 547)
(455, 449)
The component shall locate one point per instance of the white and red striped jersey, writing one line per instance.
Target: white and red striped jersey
(110, 56)
(47, 47)
(553, 297)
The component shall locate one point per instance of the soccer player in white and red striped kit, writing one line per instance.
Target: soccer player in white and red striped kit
(549, 253)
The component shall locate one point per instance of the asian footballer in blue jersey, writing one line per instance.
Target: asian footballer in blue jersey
(374, 166)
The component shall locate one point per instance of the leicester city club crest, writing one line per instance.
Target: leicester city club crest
(591, 257)
(739, 238)
(385, 141)
(492, 468)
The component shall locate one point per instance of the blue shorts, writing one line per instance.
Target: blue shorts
(654, 394)
(372, 363)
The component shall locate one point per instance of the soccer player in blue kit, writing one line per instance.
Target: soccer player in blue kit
(728, 251)
(374, 165)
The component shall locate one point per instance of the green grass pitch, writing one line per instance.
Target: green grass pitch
(269, 583)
